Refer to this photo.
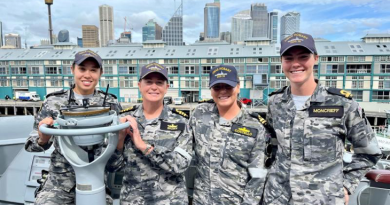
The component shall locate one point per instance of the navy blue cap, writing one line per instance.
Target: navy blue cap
(298, 39)
(153, 68)
(81, 56)
(224, 74)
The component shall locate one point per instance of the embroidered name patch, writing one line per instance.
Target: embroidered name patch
(172, 126)
(247, 131)
(326, 111)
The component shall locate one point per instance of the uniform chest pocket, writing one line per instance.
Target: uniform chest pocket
(167, 138)
(320, 139)
(238, 148)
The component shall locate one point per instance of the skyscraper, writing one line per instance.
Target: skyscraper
(259, 16)
(289, 24)
(106, 16)
(242, 26)
(80, 42)
(212, 15)
(151, 31)
(173, 31)
(90, 36)
(273, 26)
(13, 40)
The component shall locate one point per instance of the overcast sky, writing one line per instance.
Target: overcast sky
(336, 20)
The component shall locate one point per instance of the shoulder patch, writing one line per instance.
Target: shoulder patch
(179, 112)
(259, 118)
(206, 101)
(278, 91)
(112, 95)
(340, 92)
(132, 108)
(60, 92)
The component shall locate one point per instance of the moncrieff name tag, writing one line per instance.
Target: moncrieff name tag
(247, 131)
(326, 111)
(172, 126)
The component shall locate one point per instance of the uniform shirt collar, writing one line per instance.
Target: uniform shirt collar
(317, 95)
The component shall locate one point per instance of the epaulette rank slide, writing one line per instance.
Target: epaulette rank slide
(132, 108)
(179, 112)
(340, 92)
(281, 90)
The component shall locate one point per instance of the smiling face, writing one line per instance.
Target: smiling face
(86, 76)
(298, 64)
(153, 87)
(224, 95)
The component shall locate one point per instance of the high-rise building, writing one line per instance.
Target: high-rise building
(151, 31)
(273, 27)
(226, 36)
(90, 36)
(242, 26)
(289, 24)
(259, 16)
(106, 16)
(80, 42)
(127, 34)
(212, 15)
(173, 30)
(13, 40)
(1, 33)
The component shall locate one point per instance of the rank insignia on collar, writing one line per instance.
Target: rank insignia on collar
(247, 131)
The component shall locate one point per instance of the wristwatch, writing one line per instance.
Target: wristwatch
(148, 147)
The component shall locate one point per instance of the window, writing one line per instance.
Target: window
(205, 82)
(206, 69)
(331, 81)
(357, 82)
(3, 81)
(34, 70)
(67, 70)
(357, 94)
(107, 70)
(173, 70)
(211, 60)
(122, 70)
(331, 68)
(14, 70)
(3, 70)
(190, 70)
(385, 68)
(251, 69)
(384, 82)
(276, 69)
(36, 82)
(279, 82)
(22, 70)
(359, 68)
(381, 95)
(51, 70)
(55, 81)
(262, 69)
(382, 58)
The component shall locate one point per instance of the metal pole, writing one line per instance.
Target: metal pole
(50, 28)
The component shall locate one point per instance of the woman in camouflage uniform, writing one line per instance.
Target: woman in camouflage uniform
(157, 150)
(59, 186)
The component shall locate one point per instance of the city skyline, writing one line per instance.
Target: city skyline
(323, 18)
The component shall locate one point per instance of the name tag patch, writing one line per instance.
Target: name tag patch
(172, 126)
(247, 131)
(326, 111)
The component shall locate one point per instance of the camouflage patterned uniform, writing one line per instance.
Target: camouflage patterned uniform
(229, 157)
(156, 178)
(309, 165)
(59, 187)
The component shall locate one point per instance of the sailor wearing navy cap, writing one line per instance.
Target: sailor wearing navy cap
(229, 145)
(157, 150)
(312, 123)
